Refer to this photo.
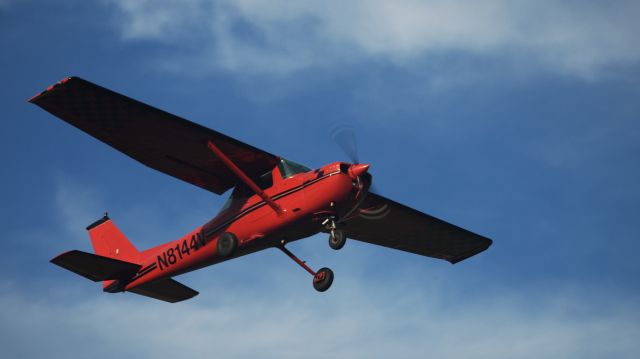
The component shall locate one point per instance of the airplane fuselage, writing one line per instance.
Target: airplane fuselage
(307, 200)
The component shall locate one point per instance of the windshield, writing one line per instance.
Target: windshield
(290, 168)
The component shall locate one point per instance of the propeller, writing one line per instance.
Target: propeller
(344, 135)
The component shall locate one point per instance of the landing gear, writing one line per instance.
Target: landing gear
(322, 279)
(227, 244)
(337, 239)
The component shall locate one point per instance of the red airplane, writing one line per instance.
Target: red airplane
(273, 202)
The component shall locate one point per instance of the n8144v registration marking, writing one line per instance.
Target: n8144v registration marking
(182, 249)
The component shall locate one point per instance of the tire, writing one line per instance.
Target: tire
(337, 239)
(227, 244)
(323, 279)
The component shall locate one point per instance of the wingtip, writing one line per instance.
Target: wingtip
(479, 249)
(51, 87)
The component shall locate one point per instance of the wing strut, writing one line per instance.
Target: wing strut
(235, 169)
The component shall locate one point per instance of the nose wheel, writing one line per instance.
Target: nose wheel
(322, 279)
(337, 239)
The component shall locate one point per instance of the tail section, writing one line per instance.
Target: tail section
(116, 260)
(109, 241)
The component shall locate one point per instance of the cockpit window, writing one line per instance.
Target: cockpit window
(290, 168)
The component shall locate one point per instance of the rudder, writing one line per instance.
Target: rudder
(109, 241)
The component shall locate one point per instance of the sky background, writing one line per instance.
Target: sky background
(518, 120)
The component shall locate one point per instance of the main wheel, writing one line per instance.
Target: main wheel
(323, 279)
(337, 239)
(227, 244)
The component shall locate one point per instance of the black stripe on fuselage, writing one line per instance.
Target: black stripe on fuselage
(144, 271)
(263, 203)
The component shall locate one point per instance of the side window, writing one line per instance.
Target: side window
(241, 192)
(265, 181)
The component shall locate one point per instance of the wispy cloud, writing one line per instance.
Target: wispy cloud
(77, 205)
(414, 324)
(280, 37)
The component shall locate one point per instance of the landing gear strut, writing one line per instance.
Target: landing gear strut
(337, 239)
(322, 279)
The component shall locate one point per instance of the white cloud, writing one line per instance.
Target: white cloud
(292, 322)
(281, 37)
(165, 20)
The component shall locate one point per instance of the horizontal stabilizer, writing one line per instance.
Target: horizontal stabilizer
(95, 267)
(166, 289)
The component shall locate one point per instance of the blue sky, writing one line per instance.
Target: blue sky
(517, 120)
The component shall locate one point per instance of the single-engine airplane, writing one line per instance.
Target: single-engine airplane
(274, 201)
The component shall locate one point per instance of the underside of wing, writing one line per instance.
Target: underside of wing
(390, 224)
(155, 138)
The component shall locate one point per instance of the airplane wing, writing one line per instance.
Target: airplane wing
(390, 224)
(155, 138)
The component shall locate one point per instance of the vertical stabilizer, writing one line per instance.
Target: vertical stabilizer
(108, 241)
